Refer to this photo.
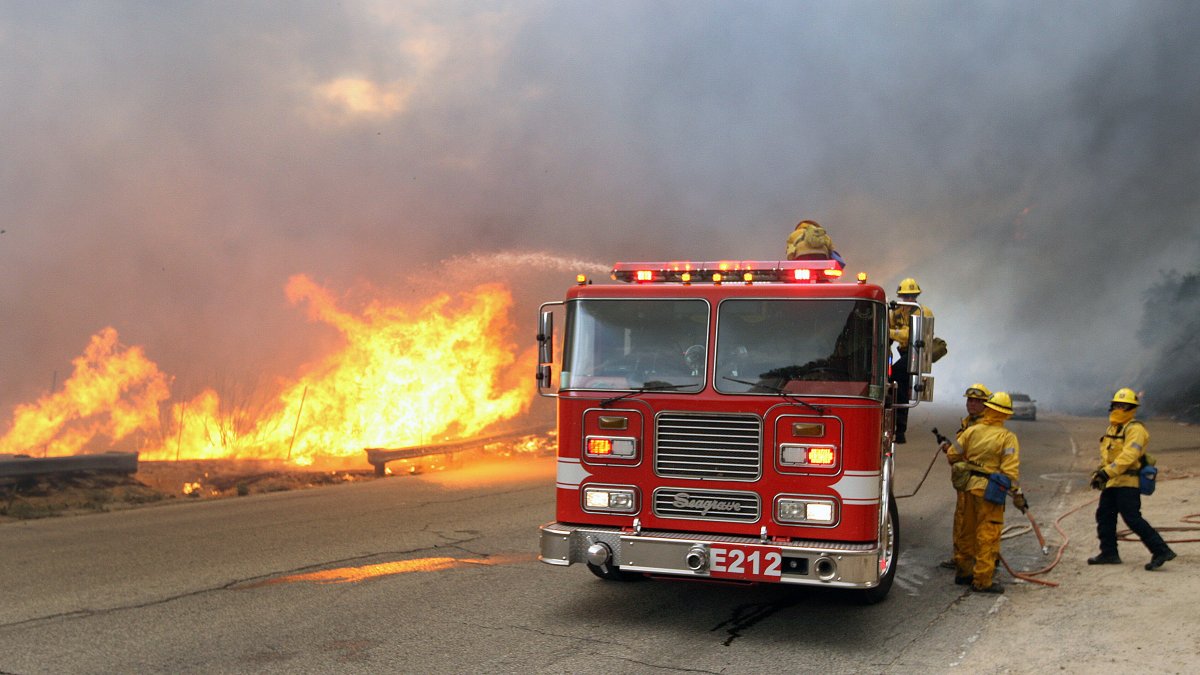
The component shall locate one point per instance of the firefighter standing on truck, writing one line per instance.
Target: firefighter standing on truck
(976, 395)
(991, 459)
(810, 241)
(1123, 453)
(898, 331)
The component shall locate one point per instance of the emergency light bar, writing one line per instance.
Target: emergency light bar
(748, 271)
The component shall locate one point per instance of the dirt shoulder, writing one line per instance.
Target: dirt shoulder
(1112, 618)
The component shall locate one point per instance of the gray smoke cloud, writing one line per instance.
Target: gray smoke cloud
(1169, 331)
(167, 166)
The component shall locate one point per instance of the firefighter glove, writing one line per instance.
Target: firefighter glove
(1099, 479)
(1020, 502)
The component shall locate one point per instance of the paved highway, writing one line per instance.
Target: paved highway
(438, 573)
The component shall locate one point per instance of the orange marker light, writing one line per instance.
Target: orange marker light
(599, 446)
(820, 456)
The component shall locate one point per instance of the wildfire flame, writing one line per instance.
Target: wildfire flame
(403, 376)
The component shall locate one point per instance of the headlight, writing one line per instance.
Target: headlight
(610, 500)
(806, 511)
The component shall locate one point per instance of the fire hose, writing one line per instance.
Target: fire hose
(943, 443)
(1123, 535)
(927, 470)
(1031, 575)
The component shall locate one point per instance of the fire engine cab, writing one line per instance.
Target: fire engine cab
(730, 421)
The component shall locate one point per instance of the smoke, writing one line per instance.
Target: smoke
(1169, 330)
(168, 167)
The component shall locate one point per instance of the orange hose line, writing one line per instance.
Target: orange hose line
(1029, 575)
(1123, 535)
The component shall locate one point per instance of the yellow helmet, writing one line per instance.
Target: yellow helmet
(908, 287)
(1000, 402)
(979, 391)
(1126, 395)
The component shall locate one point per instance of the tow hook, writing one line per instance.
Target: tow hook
(599, 554)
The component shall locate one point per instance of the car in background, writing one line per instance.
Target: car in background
(1024, 408)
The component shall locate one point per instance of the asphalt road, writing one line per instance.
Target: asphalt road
(438, 573)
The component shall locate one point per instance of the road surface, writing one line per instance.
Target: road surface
(438, 573)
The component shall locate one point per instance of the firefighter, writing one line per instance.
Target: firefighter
(809, 241)
(1122, 454)
(976, 395)
(898, 331)
(992, 456)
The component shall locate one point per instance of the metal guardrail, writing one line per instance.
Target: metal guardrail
(19, 466)
(379, 457)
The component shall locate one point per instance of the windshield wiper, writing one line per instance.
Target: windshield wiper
(656, 386)
(782, 392)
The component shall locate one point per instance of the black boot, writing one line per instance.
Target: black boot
(1159, 558)
(1110, 559)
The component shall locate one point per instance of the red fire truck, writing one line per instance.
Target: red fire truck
(727, 420)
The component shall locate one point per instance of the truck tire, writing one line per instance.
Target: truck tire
(610, 572)
(891, 557)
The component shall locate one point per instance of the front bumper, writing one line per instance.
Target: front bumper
(806, 562)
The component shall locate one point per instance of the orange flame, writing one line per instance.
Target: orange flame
(402, 377)
(114, 392)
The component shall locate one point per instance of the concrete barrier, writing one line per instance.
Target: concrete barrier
(17, 466)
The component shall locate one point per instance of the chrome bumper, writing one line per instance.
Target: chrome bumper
(656, 552)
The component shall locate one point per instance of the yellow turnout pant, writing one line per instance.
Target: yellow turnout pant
(978, 543)
(957, 533)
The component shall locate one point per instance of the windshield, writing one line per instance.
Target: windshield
(633, 344)
(800, 347)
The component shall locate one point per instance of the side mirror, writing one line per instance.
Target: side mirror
(545, 364)
(545, 338)
(920, 344)
(921, 355)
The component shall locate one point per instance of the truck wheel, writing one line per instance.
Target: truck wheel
(610, 572)
(891, 555)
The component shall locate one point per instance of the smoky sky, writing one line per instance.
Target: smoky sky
(167, 166)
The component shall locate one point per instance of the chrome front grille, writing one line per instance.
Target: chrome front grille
(718, 447)
(689, 504)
